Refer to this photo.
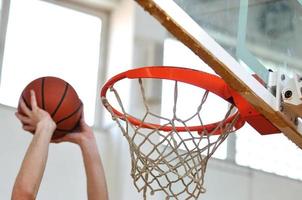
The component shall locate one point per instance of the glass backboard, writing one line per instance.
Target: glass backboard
(238, 39)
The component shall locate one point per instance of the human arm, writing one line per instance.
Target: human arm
(32, 169)
(96, 181)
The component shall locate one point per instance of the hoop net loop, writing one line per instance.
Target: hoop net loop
(166, 157)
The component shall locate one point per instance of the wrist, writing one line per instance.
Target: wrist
(85, 142)
(47, 125)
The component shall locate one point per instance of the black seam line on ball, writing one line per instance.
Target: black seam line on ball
(65, 130)
(70, 130)
(65, 118)
(61, 100)
(76, 124)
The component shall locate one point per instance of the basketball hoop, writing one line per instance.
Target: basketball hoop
(179, 174)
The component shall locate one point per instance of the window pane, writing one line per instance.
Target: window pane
(44, 39)
(271, 153)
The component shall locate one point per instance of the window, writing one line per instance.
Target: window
(271, 153)
(44, 39)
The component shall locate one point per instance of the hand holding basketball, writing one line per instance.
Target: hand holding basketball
(31, 118)
(58, 98)
(82, 134)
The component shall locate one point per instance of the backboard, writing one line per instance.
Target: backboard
(238, 39)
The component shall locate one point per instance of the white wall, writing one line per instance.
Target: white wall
(228, 181)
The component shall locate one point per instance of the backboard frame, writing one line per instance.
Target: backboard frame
(181, 26)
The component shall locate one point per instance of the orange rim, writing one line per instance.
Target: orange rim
(197, 78)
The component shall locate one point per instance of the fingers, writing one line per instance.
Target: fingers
(26, 121)
(24, 108)
(82, 119)
(82, 122)
(22, 118)
(33, 99)
(82, 115)
(28, 128)
(83, 126)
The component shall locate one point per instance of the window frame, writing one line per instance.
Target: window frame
(5, 5)
(103, 14)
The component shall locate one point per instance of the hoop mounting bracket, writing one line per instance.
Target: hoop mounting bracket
(253, 117)
(288, 92)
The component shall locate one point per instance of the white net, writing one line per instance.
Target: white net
(171, 161)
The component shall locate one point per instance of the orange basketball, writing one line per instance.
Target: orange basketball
(59, 99)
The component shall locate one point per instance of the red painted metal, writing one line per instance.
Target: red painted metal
(206, 81)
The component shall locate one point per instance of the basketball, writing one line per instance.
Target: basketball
(59, 99)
